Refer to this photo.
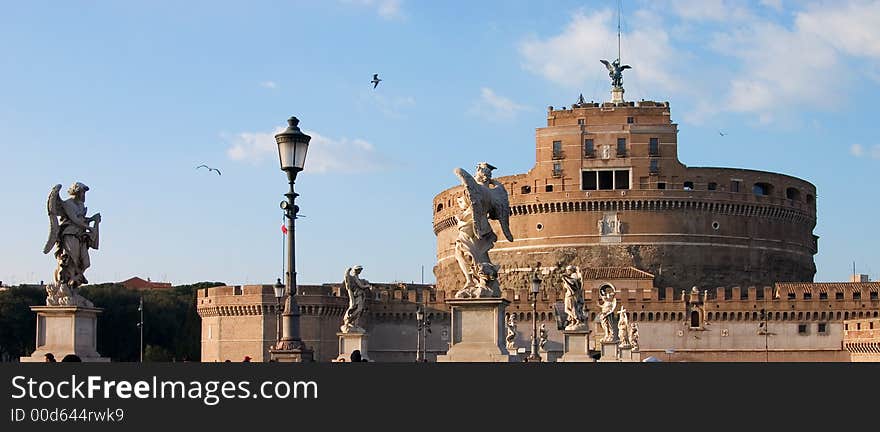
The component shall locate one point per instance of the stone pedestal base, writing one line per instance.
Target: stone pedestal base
(550, 356)
(628, 355)
(349, 342)
(63, 330)
(290, 353)
(576, 346)
(617, 94)
(477, 331)
(609, 352)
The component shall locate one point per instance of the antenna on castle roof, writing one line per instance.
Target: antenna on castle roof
(618, 29)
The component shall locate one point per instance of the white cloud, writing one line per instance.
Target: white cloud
(774, 4)
(857, 150)
(860, 151)
(571, 58)
(269, 84)
(492, 106)
(388, 9)
(810, 64)
(711, 10)
(326, 155)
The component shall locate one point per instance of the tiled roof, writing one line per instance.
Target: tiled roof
(819, 287)
(615, 273)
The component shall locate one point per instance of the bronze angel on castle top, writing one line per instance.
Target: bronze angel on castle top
(71, 234)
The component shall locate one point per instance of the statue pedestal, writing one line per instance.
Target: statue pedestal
(628, 355)
(551, 356)
(617, 94)
(477, 330)
(349, 342)
(576, 346)
(63, 330)
(609, 352)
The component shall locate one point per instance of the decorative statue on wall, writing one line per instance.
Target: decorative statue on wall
(357, 300)
(623, 328)
(574, 298)
(484, 198)
(607, 303)
(615, 71)
(634, 336)
(511, 333)
(542, 337)
(72, 238)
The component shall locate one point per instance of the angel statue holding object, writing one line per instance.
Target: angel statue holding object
(484, 198)
(615, 72)
(358, 290)
(72, 237)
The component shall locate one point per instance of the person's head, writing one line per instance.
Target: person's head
(356, 356)
(227, 361)
(71, 358)
(78, 191)
(247, 359)
(50, 358)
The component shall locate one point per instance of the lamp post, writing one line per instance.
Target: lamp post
(279, 294)
(424, 327)
(420, 316)
(141, 327)
(533, 293)
(292, 148)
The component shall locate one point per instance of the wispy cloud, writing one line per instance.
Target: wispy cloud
(388, 9)
(769, 70)
(860, 151)
(326, 155)
(269, 84)
(593, 37)
(492, 106)
(391, 106)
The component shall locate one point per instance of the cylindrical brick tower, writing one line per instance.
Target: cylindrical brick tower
(608, 190)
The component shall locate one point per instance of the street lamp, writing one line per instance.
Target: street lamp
(279, 294)
(141, 327)
(424, 327)
(533, 293)
(292, 148)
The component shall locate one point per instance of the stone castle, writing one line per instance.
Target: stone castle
(715, 264)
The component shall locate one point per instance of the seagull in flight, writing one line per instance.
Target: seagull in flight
(209, 169)
(375, 80)
(721, 133)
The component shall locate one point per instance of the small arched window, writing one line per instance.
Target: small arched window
(695, 319)
(762, 189)
(439, 207)
(793, 194)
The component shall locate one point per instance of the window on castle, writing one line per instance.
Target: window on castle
(605, 179)
(236, 290)
(734, 185)
(759, 294)
(792, 296)
(838, 296)
(525, 189)
(873, 295)
(823, 296)
(808, 296)
(548, 188)
(712, 186)
(802, 329)
(762, 189)
(557, 170)
(629, 120)
(589, 149)
(557, 149)
(695, 319)
(654, 147)
(823, 328)
(621, 147)
(661, 185)
(689, 185)
(581, 121)
(655, 166)
(857, 295)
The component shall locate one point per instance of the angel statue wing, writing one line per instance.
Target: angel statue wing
(500, 209)
(607, 65)
(625, 67)
(475, 194)
(54, 210)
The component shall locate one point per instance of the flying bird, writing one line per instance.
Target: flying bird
(209, 169)
(375, 80)
(721, 133)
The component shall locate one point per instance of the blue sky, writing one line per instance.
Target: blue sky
(129, 97)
